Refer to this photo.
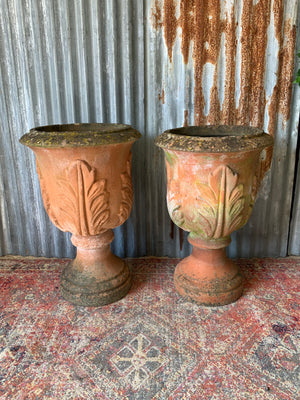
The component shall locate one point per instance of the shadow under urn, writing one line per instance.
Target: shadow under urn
(85, 178)
(213, 176)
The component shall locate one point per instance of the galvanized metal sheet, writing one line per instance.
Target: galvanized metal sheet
(294, 242)
(155, 65)
(294, 234)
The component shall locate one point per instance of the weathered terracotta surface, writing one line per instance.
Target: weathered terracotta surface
(85, 178)
(213, 175)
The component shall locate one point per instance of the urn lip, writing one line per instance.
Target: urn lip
(79, 135)
(214, 139)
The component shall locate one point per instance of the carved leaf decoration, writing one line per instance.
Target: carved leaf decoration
(126, 193)
(84, 201)
(236, 205)
(176, 214)
(222, 203)
(207, 216)
(98, 210)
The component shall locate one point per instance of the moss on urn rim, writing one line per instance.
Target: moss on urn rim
(214, 139)
(79, 135)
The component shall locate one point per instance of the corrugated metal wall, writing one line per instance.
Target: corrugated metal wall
(155, 65)
(294, 242)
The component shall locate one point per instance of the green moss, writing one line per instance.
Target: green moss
(170, 158)
(214, 139)
(79, 135)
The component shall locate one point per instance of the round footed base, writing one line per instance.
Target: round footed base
(82, 289)
(209, 285)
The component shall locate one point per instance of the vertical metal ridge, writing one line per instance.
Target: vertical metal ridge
(95, 84)
(78, 35)
(125, 96)
(139, 121)
(63, 37)
(294, 244)
(5, 238)
(49, 52)
(109, 59)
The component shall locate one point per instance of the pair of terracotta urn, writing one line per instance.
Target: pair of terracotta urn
(213, 175)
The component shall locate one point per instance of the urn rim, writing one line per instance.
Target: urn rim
(79, 135)
(214, 139)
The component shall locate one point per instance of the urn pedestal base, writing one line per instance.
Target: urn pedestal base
(208, 277)
(96, 276)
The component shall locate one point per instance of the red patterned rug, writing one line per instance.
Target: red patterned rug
(152, 344)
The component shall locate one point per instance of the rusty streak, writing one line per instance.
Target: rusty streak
(186, 118)
(227, 116)
(161, 96)
(156, 15)
(258, 32)
(287, 68)
(170, 25)
(273, 108)
(186, 22)
(202, 28)
(242, 112)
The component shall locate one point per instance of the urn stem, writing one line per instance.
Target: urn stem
(96, 276)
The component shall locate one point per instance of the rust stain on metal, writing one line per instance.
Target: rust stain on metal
(161, 96)
(156, 15)
(260, 20)
(278, 11)
(186, 116)
(200, 23)
(207, 40)
(186, 22)
(170, 24)
(206, 31)
(254, 22)
(227, 116)
(242, 112)
(281, 96)
(287, 68)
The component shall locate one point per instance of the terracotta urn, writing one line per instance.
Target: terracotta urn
(213, 175)
(85, 178)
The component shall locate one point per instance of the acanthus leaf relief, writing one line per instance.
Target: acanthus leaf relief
(221, 203)
(84, 201)
(126, 193)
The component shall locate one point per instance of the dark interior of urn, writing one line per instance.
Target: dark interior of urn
(216, 131)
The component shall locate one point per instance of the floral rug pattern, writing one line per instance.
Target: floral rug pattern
(152, 344)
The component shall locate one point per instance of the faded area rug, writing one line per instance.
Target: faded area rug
(152, 344)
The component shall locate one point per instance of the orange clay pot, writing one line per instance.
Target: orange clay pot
(213, 175)
(85, 178)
